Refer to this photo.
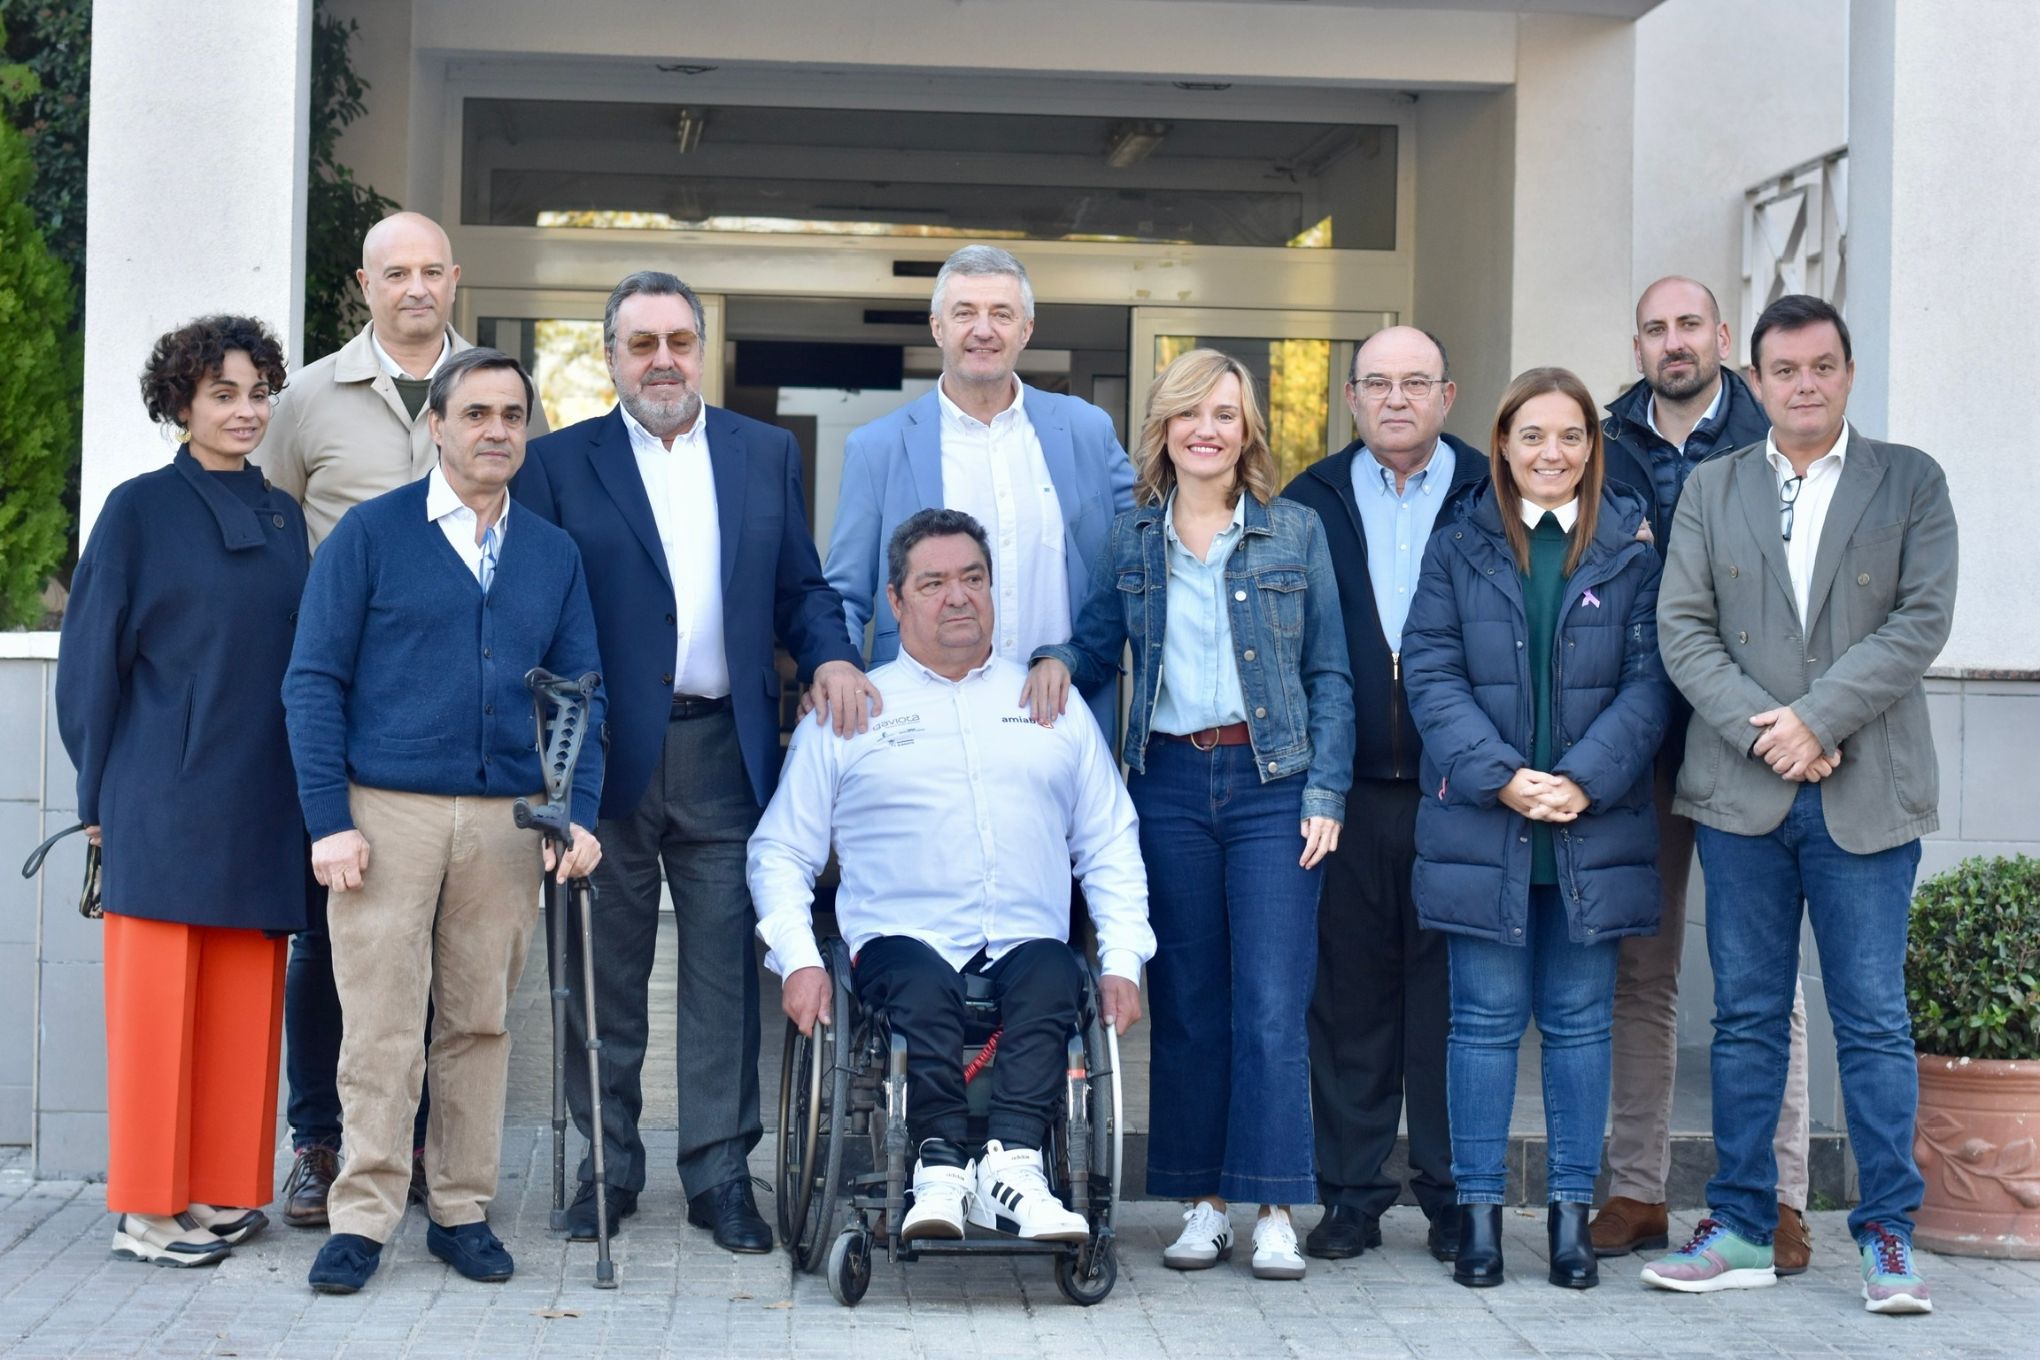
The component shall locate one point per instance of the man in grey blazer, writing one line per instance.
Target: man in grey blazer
(1043, 472)
(1809, 583)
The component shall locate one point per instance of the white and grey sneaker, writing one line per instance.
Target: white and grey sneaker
(1205, 1241)
(1013, 1197)
(1275, 1253)
(232, 1226)
(941, 1193)
(166, 1240)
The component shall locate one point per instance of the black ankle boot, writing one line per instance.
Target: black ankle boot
(1573, 1264)
(1479, 1264)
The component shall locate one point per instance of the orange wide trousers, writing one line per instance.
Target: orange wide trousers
(194, 1031)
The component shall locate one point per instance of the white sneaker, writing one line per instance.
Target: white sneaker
(1013, 1197)
(166, 1240)
(1205, 1241)
(940, 1194)
(232, 1226)
(1275, 1253)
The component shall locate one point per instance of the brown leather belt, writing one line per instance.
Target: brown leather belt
(1209, 738)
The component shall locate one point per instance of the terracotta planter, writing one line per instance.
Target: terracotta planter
(1975, 1141)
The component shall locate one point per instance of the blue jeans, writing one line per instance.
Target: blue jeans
(1858, 906)
(1496, 988)
(1235, 920)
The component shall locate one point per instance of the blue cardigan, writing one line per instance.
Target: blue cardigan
(1466, 667)
(175, 640)
(406, 677)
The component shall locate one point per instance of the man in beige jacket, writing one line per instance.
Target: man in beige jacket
(349, 427)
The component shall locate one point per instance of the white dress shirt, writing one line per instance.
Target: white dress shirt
(460, 524)
(1532, 513)
(1809, 511)
(680, 484)
(996, 474)
(957, 821)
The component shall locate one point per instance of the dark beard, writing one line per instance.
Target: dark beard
(1682, 388)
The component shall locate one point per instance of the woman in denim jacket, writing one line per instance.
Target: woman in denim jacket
(1240, 743)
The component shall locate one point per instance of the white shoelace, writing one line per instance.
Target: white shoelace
(1201, 1224)
(1275, 1234)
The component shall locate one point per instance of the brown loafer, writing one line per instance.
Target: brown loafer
(1792, 1245)
(1625, 1225)
(311, 1179)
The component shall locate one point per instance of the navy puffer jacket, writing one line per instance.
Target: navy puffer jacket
(1466, 666)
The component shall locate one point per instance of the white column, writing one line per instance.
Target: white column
(1944, 278)
(1575, 98)
(197, 186)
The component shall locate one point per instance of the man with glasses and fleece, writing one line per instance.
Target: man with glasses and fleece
(1809, 583)
(1379, 1017)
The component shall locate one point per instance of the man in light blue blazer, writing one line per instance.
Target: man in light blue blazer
(1044, 473)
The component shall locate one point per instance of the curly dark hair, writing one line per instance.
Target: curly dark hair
(184, 358)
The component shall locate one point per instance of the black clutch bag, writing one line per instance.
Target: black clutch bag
(88, 896)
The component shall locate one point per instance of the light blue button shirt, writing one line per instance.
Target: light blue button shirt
(1200, 680)
(1397, 526)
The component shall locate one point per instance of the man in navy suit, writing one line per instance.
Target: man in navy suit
(693, 527)
(1044, 473)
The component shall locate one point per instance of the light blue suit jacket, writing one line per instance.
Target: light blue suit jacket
(893, 467)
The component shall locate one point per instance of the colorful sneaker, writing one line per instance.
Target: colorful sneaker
(1891, 1282)
(1715, 1259)
(1206, 1240)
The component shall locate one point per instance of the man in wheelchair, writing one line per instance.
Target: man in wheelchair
(957, 822)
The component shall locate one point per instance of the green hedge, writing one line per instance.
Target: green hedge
(1972, 962)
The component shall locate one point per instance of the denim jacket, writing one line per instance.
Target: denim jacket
(1289, 642)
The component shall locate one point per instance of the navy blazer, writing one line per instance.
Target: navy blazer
(169, 697)
(585, 479)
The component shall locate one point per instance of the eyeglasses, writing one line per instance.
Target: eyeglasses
(1788, 493)
(1376, 388)
(644, 344)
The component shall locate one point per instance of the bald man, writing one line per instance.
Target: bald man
(1689, 407)
(348, 428)
(1380, 1013)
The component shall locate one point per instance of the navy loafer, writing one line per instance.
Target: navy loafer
(344, 1264)
(472, 1250)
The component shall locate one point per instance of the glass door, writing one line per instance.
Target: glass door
(557, 333)
(1299, 359)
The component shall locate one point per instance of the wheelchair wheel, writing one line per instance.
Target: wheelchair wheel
(815, 1099)
(1087, 1276)
(850, 1266)
(800, 1073)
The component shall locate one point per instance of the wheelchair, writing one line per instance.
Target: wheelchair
(844, 1160)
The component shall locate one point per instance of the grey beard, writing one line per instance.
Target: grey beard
(663, 419)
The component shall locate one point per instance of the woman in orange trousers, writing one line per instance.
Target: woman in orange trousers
(169, 700)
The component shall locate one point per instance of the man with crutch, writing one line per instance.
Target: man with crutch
(410, 730)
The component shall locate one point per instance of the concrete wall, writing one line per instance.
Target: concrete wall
(1466, 184)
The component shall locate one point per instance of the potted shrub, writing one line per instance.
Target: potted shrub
(1972, 978)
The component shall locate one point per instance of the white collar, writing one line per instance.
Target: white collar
(1720, 395)
(395, 369)
(978, 672)
(1839, 451)
(1532, 513)
(695, 435)
(441, 500)
(1239, 517)
(952, 412)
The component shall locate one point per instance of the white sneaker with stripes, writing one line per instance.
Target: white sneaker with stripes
(1013, 1197)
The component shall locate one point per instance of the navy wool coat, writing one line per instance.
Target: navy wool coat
(170, 698)
(1467, 670)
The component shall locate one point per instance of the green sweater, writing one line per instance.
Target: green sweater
(1543, 598)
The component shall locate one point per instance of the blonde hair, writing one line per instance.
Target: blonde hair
(1182, 387)
(1532, 383)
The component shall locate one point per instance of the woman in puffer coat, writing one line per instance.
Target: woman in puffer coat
(1532, 667)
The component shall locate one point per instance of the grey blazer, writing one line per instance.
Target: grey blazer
(1881, 601)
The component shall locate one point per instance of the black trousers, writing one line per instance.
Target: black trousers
(1040, 987)
(1381, 1013)
(691, 827)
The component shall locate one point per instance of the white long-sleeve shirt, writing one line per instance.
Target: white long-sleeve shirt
(957, 822)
